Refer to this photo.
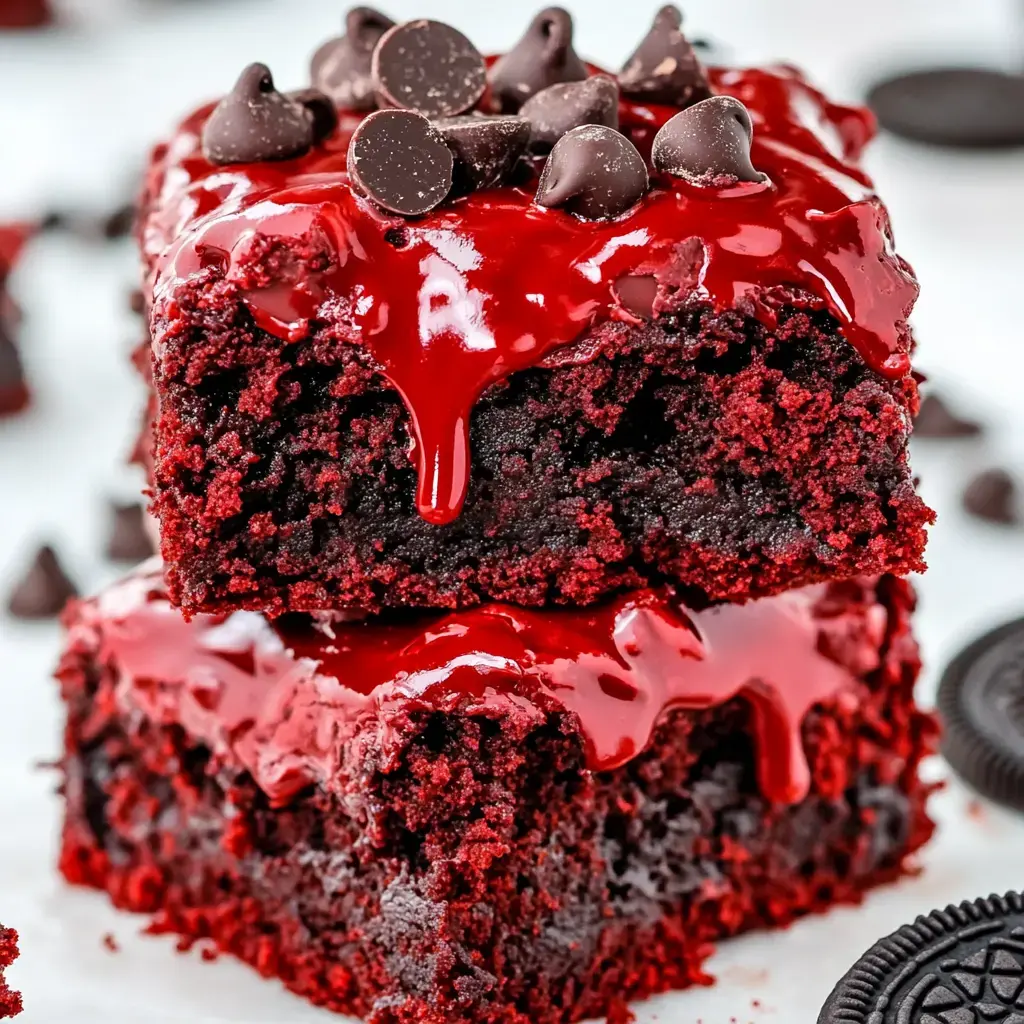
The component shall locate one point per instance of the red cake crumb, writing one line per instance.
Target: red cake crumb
(10, 1001)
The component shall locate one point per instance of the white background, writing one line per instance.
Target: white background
(78, 107)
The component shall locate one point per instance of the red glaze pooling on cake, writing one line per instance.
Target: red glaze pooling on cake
(491, 284)
(284, 699)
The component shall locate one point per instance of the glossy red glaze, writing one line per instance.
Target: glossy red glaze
(284, 699)
(490, 284)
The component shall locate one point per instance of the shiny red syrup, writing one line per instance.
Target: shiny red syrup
(490, 284)
(286, 699)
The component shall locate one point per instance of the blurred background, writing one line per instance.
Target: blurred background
(81, 101)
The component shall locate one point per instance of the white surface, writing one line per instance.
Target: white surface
(77, 109)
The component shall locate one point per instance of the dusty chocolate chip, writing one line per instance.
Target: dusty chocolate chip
(401, 161)
(43, 590)
(708, 144)
(543, 57)
(593, 172)
(560, 108)
(637, 293)
(428, 67)
(936, 419)
(255, 122)
(957, 107)
(665, 67)
(341, 67)
(992, 495)
(129, 540)
(485, 148)
(321, 109)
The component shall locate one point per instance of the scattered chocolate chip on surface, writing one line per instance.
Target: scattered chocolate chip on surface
(485, 148)
(401, 161)
(255, 122)
(961, 965)
(321, 109)
(44, 589)
(935, 419)
(129, 540)
(665, 67)
(120, 223)
(972, 108)
(981, 704)
(637, 293)
(708, 144)
(543, 57)
(593, 172)
(559, 108)
(429, 67)
(992, 496)
(341, 67)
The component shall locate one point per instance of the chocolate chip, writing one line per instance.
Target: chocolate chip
(992, 496)
(935, 419)
(429, 67)
(43, 590)
(665, 67)
(708, 144)
(637, 293)
(120, 223)
(129, 540)
(341, 67)
(958, 107)
(560, 108)
(255, 122)
(321, 109)
(593, 172)
(485, 148)
(400, 160)
(13, 388)
(543, 57)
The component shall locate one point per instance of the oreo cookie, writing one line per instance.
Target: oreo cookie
(981, 703)
(961, 965)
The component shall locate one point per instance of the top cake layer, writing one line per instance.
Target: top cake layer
(580, 240)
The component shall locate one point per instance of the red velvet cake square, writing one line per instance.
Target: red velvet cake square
(495, 815)
(625, 330)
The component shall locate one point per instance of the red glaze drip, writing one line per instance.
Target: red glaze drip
(491, 284)
(284, 700)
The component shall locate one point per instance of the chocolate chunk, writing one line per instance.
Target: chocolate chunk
(708, 144)
(485, 148)
(637, 293)
(400, 160)
(593, 172)
(120, 223)
(956, 107)
(255, 122)
(560, 108)
(13, 388)
(321, 109)
(665, 67)
(935, 419)
(129, 540)
(961, 965)
(992, 496)
(43, 590)
(543, 57)
(341, 67)
(429, 67)
(981, 703)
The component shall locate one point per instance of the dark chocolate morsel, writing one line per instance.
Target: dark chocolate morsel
(560, 108)
(321, 108)
(44, 589)
(255, 122)
(428, 67)
(935, 419)
(708, 144)
(543, 57)
(992, 496)
(485, 148)
(341, 67)
(665, 67)
(637, 293)
(401, 161)
(593, 172)
(129, 540)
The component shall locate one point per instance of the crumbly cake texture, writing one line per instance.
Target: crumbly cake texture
(10, 1001)
(466, 866)
(649, 399)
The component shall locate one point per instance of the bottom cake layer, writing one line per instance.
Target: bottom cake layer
(466, 818)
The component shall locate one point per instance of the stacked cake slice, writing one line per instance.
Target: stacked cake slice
(530, 459)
